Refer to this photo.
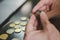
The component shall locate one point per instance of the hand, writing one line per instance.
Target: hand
(49, 31)
(51, 7)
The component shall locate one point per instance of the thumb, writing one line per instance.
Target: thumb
(44, 19)
(47, 25)
(30, 26)
(38, 6)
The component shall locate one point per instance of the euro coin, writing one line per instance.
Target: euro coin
(17, 30)
(23, 18)
(3, 36)
(17, 26)
(23, 23)
(12, 25)
(10, 31)
(17, 22)
(15, 39)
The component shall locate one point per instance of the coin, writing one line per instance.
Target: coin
(3, 36)
(18, 30)
(10, 31)
(12, 25)
(17, 26)
(23, 18)
(17, 22)
(23, 23)
(15, 39)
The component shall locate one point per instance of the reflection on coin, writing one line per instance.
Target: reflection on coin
(23, 29)
(17, 26)
(3, 36)
(15, 39)
(12, 25)
(17, 30)
(17, 22)
(10, 31)
(23, 18)
(23, 23)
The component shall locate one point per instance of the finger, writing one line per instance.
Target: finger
(35, 24)
(41, 4)
(30, 25)
(44, 18)
(52, 13)
(51, 30)
(45, 8)
(46, 23)
(38, 6)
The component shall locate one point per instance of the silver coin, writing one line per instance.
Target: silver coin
(10, 31)
(18, 30)
(12, 25)
(23, 18)
(17, 26)
(17, 22)
(15, 39)
(23, 23)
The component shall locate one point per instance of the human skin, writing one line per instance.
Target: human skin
(51, 7)
(49, 31)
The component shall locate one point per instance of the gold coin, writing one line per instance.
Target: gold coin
(15, 39)
(3, 36)
(23, 18)
(17, 30)
(17, 22)
(12, 25)
(17, 26)
(23, 23)
(10, 31)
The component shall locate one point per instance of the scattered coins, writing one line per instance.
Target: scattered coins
(3, 36)
(15, 27)
(12, 25)
(18, 30)
(15, 39)
(10, 31)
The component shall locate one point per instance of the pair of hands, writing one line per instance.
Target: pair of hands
(49, 31)
(50, 9)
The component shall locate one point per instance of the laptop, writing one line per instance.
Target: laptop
(7, 7)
